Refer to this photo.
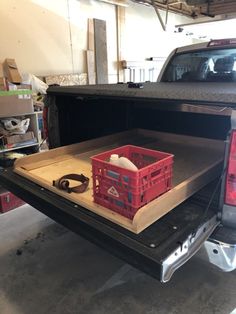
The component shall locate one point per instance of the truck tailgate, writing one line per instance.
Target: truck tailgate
(159, 250)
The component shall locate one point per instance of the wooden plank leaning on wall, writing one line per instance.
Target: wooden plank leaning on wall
(97, 63)
(97, 54)
(100, 40)
(90, 54)
(120, 24)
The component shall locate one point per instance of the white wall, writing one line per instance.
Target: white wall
(144, 36)
(37, 34)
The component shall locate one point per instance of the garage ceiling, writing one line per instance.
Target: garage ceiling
(201, 11)
(194, 8)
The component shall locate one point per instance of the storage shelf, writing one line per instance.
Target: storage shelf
(34, 127)
(17, 115)
(18, 147)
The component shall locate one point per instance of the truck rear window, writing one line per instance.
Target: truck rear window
(212, 65)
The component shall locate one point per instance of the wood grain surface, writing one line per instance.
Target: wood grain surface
(197, 162)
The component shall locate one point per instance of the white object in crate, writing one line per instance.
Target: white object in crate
(114, 159)
(122, 162)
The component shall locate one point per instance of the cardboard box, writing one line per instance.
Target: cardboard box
(12, 87)
(1, 70)
(16, 102)
(8, 201)
(11, 71)
(13, 139)
(3, 81)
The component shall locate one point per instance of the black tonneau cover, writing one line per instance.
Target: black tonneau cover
(213, 92)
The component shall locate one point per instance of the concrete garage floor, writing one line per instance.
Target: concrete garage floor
(45, 268)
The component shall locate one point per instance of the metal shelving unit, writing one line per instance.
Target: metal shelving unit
(34, 127)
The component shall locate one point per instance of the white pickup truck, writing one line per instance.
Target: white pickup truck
(190, 111)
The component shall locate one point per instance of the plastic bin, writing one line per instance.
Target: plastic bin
(8, 201)
(125, 191)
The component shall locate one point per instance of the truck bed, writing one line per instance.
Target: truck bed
(197, 162)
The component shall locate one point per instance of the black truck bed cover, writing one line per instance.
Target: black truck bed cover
(212, 92)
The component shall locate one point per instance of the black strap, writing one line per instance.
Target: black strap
(64, 184)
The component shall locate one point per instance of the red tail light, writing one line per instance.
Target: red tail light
(222, 42)
(230, 192)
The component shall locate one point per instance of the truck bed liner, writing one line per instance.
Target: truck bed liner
(197, 162)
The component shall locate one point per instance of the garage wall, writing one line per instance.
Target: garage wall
(144, 36)
(50, 37)
(37, 33)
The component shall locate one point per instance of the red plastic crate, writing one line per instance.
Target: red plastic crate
(9, 201)
(125, 191)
